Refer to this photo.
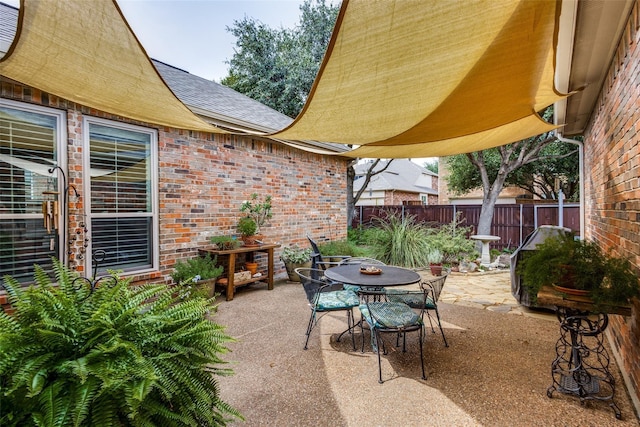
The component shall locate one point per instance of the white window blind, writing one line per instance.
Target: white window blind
(29, 139)
(122, 212)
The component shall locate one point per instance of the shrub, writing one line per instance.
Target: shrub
(339, 247)
(451, 239)
(401, 241)
(120, 355)
(200, 268)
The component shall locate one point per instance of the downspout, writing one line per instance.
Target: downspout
(580, 145)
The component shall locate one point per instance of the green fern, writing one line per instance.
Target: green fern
(121, 355)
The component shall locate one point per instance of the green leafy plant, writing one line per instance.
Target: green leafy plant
(451, 239)
(198, 268)
(247, 226)
(401, 241)
(339, 247)
(121, 355)
(579, 264)
(258, 210)
(435, 256)
(225, 242)
(295, 255)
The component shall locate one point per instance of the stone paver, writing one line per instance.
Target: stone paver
(490, 290)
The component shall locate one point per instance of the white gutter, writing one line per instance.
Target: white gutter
(564, 57)
(580, 145)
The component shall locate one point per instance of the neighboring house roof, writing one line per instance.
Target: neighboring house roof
(8, 23)
(401, 175)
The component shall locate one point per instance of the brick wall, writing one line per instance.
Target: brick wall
(612, 187)
(203, 179)
(397, 197)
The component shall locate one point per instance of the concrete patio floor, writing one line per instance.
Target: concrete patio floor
(495, 372)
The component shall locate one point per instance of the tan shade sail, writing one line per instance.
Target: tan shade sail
(420, 78)
(85, 52)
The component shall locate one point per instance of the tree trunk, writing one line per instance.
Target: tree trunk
(351, 202)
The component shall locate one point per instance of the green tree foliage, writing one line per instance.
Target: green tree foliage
(557, 164)
(121, 355)
(278, 66)
(490, 169)
(431, 165)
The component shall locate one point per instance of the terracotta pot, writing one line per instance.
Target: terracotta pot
(250, 241)
(436, 269)
(252, 267)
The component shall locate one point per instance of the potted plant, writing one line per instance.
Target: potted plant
(225, 242)
(580, 267)
(295, 257)
(76, 355)
(248, 227)
(435, 257)
(258, 210)
(201, 272)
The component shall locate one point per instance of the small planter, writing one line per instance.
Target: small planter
(436, 269)
(252, 267)
(293, 276)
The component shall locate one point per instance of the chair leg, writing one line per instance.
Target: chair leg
(441, 330)
(424, 376)
(377, 342)
(309, 328)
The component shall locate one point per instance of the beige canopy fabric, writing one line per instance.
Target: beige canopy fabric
(85, 52)
(421, 78)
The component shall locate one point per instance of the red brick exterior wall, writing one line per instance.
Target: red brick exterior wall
(398, 197)
(612, 187)
(203, 179)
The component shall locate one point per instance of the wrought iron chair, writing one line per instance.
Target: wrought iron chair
(325, 296)
(316, 257)
(384, 316)
(432, 288)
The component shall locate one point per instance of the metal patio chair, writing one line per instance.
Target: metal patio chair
(428, 304)
(384, 316)
(325, 296)
(316, 257)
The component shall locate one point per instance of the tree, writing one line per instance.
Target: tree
(523, 161)
(278, 67)
(351, 176)
(431, 165)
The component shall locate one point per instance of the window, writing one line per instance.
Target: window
(122, 205)
(30, 146)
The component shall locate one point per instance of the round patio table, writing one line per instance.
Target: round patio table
(390, 276)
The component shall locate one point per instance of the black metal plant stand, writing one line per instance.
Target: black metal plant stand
(581, 367)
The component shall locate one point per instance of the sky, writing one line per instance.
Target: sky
(191, 34)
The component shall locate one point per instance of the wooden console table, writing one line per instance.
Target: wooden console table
(231, 265)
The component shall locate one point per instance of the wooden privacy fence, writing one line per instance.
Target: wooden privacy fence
(512, 223)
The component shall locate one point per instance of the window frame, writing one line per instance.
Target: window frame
(153, 191)
(61, 155)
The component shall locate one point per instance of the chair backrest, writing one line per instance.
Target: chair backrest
(314, 282)
(361, 260)
(316, 256)
(435, 286)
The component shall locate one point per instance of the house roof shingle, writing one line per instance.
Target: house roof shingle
(401, 175)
